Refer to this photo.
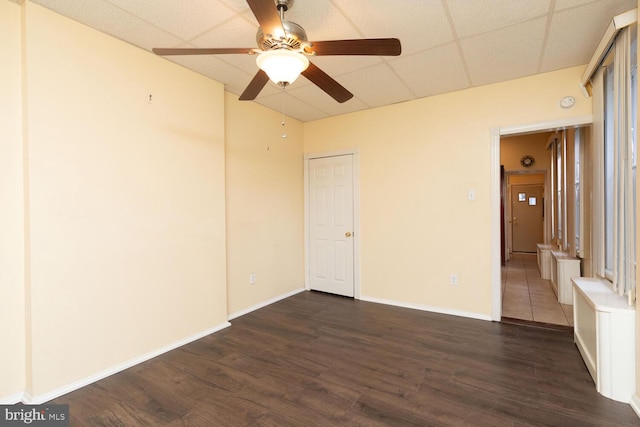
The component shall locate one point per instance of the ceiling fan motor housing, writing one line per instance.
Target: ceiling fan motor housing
(295, 36)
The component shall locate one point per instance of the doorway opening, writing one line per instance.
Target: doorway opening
(523, 210)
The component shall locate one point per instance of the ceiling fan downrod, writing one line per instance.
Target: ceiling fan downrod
(283, 6)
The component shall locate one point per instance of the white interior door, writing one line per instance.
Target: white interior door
(331, 257)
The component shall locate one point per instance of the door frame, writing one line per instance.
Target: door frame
(355, 152)
(494, 137)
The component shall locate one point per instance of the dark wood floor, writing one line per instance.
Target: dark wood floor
(322, 360)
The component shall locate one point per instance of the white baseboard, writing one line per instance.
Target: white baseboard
(264, 304)
(635, 404)
(12, 399)
(42, 398)
(432, 309)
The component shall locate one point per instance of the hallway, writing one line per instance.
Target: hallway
(526, 296)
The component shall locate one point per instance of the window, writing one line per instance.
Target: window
(609, 107)
(633, 154)
(557, 147)
(578, 212)
(615, 152)
(552, 202)
(559, 210)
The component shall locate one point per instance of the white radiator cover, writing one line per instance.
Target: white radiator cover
(544, 259)
(563, 268)
(604, 332)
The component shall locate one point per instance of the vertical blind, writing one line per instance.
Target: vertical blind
(614, 92)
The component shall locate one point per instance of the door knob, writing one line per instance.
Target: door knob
(347, 234)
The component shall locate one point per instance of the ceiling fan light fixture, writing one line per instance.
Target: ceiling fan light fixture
(283, 66)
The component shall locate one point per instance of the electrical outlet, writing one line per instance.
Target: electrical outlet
(453, 279)
(252, 278)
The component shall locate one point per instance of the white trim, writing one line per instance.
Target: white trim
(617, 23)
(495, 134)
(334, 153)
(496, 246)
(550, 126)
(431, 309)
(356, 224)
(564, 190)
(307, 260)
(635, 404)
(263, 304)
(355, 152)
(12, 399)
(42, 398)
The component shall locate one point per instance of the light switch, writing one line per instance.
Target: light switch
(472, 194)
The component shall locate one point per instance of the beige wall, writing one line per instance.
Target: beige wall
(418, 160)
(533, 178)
(12, 324)
(637, 396)
(126, 202)
(265, 208)
(513, 148)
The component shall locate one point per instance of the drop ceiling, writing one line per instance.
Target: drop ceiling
(447, 45)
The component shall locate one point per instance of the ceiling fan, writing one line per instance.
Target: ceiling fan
(283, 49)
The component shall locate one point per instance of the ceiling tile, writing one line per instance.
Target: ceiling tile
(324, 102)
(418, 24)
(236, 5)
(568, 4)
(339, 65)
(432, 71)
(480, 16)
(246, 63)
(321, 21)
(237, 32)
(580, 29)
(363, 83)
(105, 17)
(620, 6)
(505, 54)
(184, 19)
(293, 107)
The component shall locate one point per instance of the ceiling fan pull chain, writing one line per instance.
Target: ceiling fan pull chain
(283, 123)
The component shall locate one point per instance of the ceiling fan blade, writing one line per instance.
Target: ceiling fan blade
(268, 17)
(255, 86)
(327, 84)
(199, 51)
(382, 47)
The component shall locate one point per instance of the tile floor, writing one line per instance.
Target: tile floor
(526, 296)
